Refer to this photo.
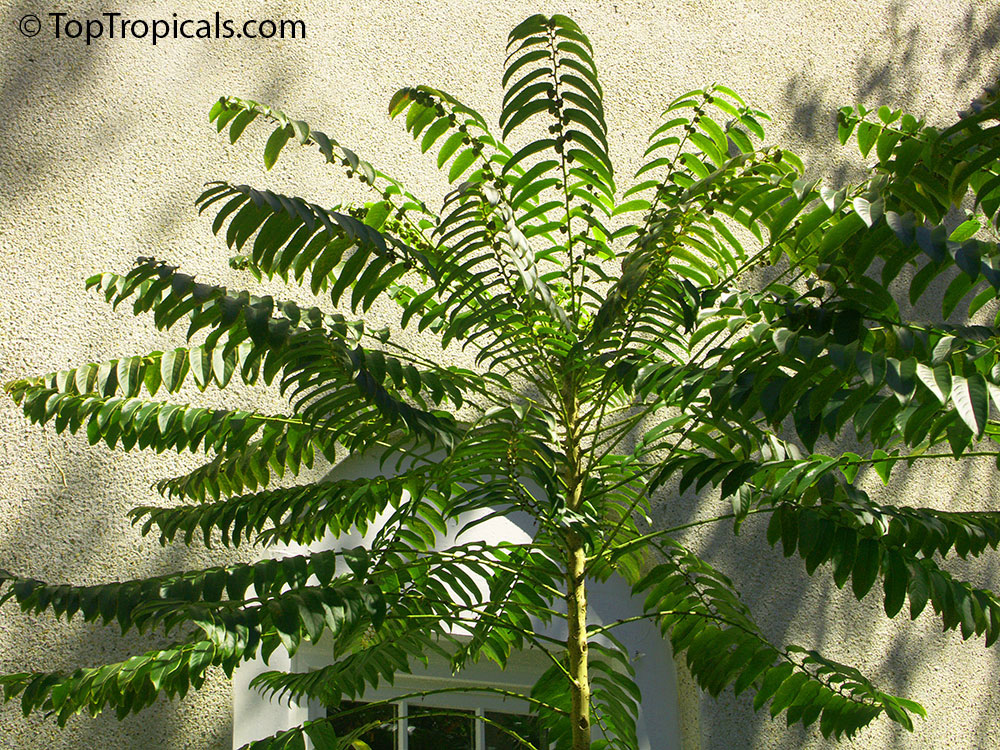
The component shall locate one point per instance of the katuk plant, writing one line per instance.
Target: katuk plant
(624, 347)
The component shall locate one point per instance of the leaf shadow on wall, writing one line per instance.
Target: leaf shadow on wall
(810, 611)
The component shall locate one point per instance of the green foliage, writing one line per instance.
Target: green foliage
(621, 344)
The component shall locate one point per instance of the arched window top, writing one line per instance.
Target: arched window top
(477, 692)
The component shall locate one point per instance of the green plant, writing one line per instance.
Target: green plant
(619, 347)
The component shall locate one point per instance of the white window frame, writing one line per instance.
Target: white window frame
(523, 669)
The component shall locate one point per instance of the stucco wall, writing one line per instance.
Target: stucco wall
(103, 149)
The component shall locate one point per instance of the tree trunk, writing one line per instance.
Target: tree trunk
(576, 587)
(576, 617)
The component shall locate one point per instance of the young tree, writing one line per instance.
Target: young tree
(621, 345)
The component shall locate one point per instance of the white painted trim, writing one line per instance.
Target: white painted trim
(254, 717)
(404, 737)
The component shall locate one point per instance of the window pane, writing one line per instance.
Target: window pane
(382, 737)
(431, 730)
(524, 726)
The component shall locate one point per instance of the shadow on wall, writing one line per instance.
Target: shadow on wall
(811, 612)
(979, 33)
(790, 606)
(968, 61)
(28, 105)
(55, 88)
(777, 589)
(64, 518)
(85, 534)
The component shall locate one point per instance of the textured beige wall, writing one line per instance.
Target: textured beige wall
(103, 149)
